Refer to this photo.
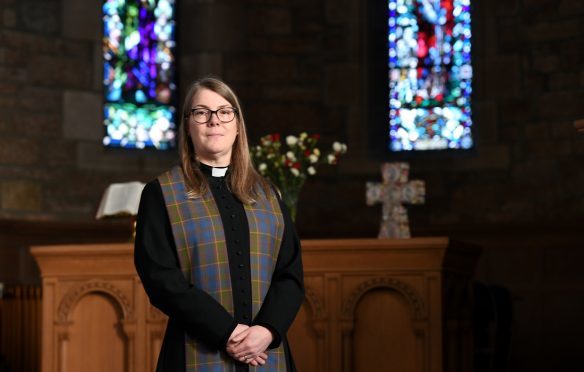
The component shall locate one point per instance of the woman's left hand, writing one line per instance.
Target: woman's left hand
(260, 360)
(249, 343)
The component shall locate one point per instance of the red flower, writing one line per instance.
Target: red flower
(316, 136)
(296, 165)
(276, 137)
(307, 153)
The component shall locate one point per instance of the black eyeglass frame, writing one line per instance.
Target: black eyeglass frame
(211, 112)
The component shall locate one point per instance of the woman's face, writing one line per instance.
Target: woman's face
(213, 140)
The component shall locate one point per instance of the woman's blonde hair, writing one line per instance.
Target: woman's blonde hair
(243, 180)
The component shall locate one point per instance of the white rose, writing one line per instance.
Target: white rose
(312, 158)
(337, 146)
(262, 168)
(332, 159)
(291, 140)
(295, 172)
(311, 171)
(290, 155)
(316, 152)
(303, 136)
(343, 148)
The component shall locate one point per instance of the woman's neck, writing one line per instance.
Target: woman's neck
(219, 162)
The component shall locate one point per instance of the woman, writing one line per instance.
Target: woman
(216, 249)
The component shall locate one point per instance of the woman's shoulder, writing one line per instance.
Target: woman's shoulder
(153, 183)
(152, 188)
(172, 172)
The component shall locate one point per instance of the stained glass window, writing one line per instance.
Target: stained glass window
(139, 73)
(430, 74)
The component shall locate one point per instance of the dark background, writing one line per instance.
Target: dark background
(317, 66)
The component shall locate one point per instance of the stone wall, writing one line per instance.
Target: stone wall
(303, 66)
(52, 163)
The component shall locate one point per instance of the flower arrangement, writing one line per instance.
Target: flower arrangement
(288, 167)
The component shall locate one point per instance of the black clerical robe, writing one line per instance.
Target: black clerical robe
(192, 310)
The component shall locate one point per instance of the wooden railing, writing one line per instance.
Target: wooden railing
(20, 327)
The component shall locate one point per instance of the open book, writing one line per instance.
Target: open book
(120, 199)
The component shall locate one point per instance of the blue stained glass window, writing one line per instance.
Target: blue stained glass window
(139, 73)
(430, 75)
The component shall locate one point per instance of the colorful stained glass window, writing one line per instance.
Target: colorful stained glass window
(139, 73)
(430, 75)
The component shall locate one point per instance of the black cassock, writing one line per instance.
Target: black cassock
(191, 309)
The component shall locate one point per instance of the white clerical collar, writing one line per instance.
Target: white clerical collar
(218, 172)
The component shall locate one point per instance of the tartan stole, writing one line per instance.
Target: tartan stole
(202, 251)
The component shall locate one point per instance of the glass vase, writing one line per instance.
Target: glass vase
(290, 198)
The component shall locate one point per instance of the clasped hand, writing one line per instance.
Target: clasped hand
(248, 344)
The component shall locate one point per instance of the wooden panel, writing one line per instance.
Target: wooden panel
(383, 327)
(96, 316)
(20, 316)
(303, 340)
(154, 345)
(95, 338)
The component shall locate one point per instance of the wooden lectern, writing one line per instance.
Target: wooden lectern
(400, 305)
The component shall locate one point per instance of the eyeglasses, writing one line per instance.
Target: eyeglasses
(203, 115)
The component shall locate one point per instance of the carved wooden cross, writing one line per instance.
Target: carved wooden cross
(394, 191)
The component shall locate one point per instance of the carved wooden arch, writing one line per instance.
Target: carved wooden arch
(77, 292)
(416, 302)
(315, 302)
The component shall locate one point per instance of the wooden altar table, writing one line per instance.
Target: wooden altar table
(370, 305)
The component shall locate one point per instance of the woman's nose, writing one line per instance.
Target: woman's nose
(214, 119)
